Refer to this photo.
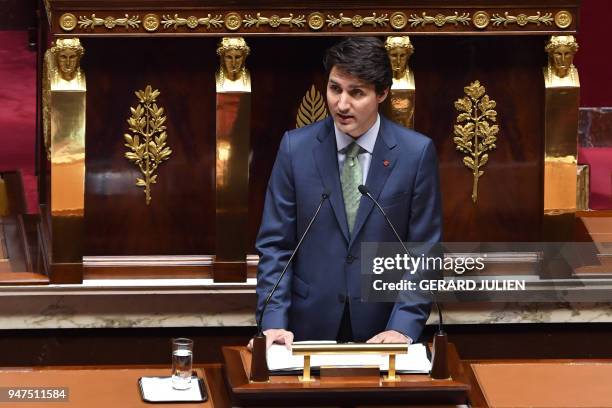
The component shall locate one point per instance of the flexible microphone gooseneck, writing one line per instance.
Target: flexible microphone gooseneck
(324, 197)
(366, 192)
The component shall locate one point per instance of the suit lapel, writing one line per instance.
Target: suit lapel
(384, 158)
(326, 159)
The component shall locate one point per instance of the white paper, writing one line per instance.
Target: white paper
(416, 361)
(160, 389)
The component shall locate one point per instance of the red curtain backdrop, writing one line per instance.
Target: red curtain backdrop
(594, 58)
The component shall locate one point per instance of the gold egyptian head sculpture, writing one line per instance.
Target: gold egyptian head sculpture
(399, 50)
(232, 74)
(67, 53)
(561, 50)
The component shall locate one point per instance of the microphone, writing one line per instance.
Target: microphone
(259, 366)
(439, 368)
(324, 197)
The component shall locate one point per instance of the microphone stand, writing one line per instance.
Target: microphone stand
(439, 359)
(259, 364)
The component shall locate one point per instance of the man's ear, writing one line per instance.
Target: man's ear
(382, 96)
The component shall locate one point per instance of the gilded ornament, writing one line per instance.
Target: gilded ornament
(316, 20)
(398, 20)
(68, 21)
(481, 19)
(312, 108)
(150, 22)
(108, 22)
(147, 121)
(561, 71)
(522, 19)
(357, 20)
(233, 21)
(478, 135)
(563, 19)
(274, 21)
(439, 20)
(191, 22)
(232, 75)
(62, 72)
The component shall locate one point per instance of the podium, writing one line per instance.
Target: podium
(284, 389)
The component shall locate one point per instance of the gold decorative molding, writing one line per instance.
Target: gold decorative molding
(147, 121)
(150, 22)
(274, 20)
(192, 22)
(398, 20)
(478, 135)
(312, 108)
(563, 19)
(316, 20)
(300, 19)
(439, 19)
(357, 20)
(233, 21)
(522, 19)
(481, 19)
(109, 22)
(68, 21)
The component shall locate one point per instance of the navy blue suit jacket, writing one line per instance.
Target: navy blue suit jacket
(403, 177)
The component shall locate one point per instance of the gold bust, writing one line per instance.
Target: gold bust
(232, 76)
(561, 50)
(399, 50)
(67, 53)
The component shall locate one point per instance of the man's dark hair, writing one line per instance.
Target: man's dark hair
(363, 57)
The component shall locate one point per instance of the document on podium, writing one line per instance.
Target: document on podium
(415, 362)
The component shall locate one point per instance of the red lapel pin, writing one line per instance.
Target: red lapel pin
(386, 163)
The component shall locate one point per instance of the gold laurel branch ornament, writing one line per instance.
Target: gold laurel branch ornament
(312, 108)
(522, 19)
(439, 19)
(474, 132)
(147, 141)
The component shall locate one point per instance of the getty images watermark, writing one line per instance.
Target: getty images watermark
(486, 271)
(426, 267)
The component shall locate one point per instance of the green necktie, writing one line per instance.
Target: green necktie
(351, 179)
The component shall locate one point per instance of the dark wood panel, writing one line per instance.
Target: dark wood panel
(17, 14)
(179, 219)
(509, 206)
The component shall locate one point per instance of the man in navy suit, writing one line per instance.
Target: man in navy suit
(320, 296)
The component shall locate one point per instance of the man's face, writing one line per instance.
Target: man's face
(563, 57)
(233, 60)
(352, 103)
(398, 57)
(67, 61)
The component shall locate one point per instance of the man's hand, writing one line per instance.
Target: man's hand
(390, 336)
(278, 336)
